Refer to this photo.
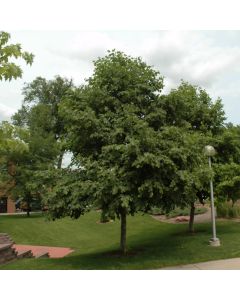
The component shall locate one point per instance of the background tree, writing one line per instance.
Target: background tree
(8, 69)
(12, 146)
(39, 111)
(23, 157)
(190, 107)
(227, 164)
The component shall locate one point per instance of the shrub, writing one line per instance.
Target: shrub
(227, 210)
(177, 212)
(105, 218)
(156, 211)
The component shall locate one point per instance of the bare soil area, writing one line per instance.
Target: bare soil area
(200, 218)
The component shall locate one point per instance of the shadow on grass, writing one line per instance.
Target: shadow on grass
(175, 246)
(149, 249)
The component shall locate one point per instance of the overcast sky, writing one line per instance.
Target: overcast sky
(210, 59)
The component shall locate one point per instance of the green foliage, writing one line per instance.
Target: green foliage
(228, 210)
(138, 148)
(69, 193)
(177, 211)
(109, 132)
(191, 106)
(39, 113)
(22, 158)
(8, 69)
(12, 141)
(185, 212)
(105, 218)
(227, 168)
(228, 176)
(228, 145)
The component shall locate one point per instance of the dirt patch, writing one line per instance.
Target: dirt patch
(201, 218)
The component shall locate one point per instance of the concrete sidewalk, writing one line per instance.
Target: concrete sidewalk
(223, 264)
(20, 213)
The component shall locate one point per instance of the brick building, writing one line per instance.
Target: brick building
(7, 204)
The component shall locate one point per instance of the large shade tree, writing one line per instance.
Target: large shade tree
(112, 124)
(128, 154)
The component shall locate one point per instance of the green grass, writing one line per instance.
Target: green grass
(151, 244)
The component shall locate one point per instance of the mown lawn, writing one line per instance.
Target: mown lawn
(151, 244)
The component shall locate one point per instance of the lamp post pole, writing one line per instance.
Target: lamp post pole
(214, 241)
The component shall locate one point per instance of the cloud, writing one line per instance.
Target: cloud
(191, 56)
(87, 46)
(194, 56)
(5, 112)
(210, 59)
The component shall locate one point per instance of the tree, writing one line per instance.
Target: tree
(39, 111)
(112, 123)
(8, 69)
(12, 146)
(227, 168)
(23, 157)
(129, 155)
(190, 107)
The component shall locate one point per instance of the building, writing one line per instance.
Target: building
(7, 205)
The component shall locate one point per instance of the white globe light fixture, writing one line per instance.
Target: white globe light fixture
(214, 241)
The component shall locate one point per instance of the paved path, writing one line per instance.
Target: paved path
(200, 218)
(224, 264)
(54, 252)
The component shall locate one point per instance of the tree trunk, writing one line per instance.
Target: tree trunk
(60, 158)
(191, 219)
(28, 206)
(123, 231)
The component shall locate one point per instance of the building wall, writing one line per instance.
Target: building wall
(10, 206)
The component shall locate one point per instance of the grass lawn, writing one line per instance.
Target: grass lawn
(151, 244)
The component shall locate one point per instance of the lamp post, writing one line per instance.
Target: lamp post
(214, 241)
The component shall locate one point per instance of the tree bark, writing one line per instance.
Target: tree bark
(60, 158)
(191, 219)
(123, 231)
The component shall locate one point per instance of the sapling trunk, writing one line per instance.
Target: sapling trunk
(60, 159)
(191, 219)
(123, 247)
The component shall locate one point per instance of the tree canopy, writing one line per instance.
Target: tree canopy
(131, 151)
(40, 112)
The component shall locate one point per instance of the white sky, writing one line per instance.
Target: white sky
(210, 59)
